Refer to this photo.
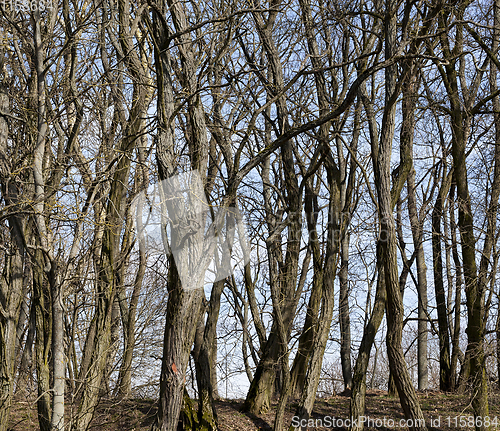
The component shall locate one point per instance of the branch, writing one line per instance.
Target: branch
(351, 95)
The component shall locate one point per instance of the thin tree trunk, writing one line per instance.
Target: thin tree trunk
(474, 288)
(358, 395)
(25, 367)
(496, 109)
(11, 283)
(306, 339)
(407, 131)
(387, 241)
(41, 300)
(106, 283)
(59, 364)
(42, 293)
(497, 332)
(445, 382)
(11, 297)
(345, 324)
(125, 374)
(179, 331)
(86, 356)
(207, 415)
(261, 389)
(334, 233)
(456, 353)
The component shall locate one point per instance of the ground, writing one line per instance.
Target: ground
(442, 412)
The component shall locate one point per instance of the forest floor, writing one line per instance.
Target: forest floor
(442, 412)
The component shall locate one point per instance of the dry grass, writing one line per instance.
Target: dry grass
(138, 414)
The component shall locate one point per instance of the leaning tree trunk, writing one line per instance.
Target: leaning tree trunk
(179, 331)
(11, 298)
(358, 395)
(203, 355)
(387, 241)
(128, 312)
(456, 353)
(11, 283)
(59, 363)
(445, 382)
(460, 122)
(42, 306)
(306, 338)
(407, 131)
(334, 232)
(345, 324)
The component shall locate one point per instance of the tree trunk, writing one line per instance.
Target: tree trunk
(474, 289)
(283, 343)
(179, 336)
(496, 108)
(358, 395)
(306, 338)
(445, 382)
(11, 283)
(456, 353)
(259, 395)
(11, 297)
(42, 305)
(387, 241)
(497, 331)
(59, 363)
(286, 269)
(125, 374)
(407, 131)
(345, 324)
(106, 267)
(334, 232)
(207, 415)
(25, 368)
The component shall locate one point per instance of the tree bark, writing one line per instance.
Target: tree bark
(387, 241)
(207, 414)
(11, 283)
(306, 338)
(58, 357)
(42, 305)
(124, 384)
(286, 270)
(25, 367)
(407, 131)
(358, 394)
(345, 323)
(474, 288)
(456, 353)
(445, 382)
(179, 336)
(10, 304)
(334, 232)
